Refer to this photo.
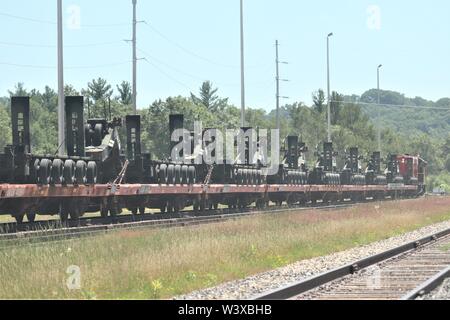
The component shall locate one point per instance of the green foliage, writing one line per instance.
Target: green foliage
(208, 98)
(125, 95)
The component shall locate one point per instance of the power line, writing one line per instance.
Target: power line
(168, 76)
(195, 55)
(30, 45)
(182, 48)
(68, 68)
(48, 22)
(27, 19)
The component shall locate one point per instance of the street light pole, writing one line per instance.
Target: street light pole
(328, 85)
(378, 107)
(61, 122)
(278, 87)
(242, 68)
(134, 58)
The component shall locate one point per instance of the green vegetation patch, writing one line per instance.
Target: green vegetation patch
(155, 264)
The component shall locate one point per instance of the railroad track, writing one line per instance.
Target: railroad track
(403, 273)
(55, 231)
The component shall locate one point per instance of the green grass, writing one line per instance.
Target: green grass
(154, 264)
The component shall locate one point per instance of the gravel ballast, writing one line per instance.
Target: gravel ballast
(258, 284)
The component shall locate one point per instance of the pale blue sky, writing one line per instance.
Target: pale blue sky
(186, 42)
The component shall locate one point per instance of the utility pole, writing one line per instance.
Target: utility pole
(61, 126)
(328, 85)
(134, 59)
(278, 85)
(242, 68)
(379, 107)
(277, 61)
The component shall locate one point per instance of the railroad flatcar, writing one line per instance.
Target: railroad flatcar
(97, 173)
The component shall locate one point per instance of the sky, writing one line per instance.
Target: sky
(183, 43)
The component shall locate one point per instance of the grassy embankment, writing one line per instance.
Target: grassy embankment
(149, 264)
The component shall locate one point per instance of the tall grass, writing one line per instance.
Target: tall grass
(153, 264)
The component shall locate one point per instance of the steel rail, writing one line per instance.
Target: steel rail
(429, 285)
(314, 282)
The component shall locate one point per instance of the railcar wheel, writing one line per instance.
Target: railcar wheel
(91, 173)
(113, 212)
(45, 170)
(31, 217)
(57, 172)
(75, 214)
(80, 173)
(69, 172)
(97, 136)
(19, 218)
(64, 216)
(104, 213)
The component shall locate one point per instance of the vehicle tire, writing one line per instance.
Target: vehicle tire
(192, 175)
(69, 172)
(162, 174)
(80, 173)
(246, 175)
(184, 175)
(88, 135)
(177, 179)
(35, 171)
(91, 173)
(57, 172)
(97, 136)
(171, 174)
(239, 177)
(45, 170)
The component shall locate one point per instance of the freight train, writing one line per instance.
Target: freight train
(97, 174)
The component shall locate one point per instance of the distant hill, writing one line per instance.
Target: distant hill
(419, 115)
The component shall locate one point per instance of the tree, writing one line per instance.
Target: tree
(319, 101)
(125, 95)
(19, 90)
(208, 98)
(69, 90)
(99, 90)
